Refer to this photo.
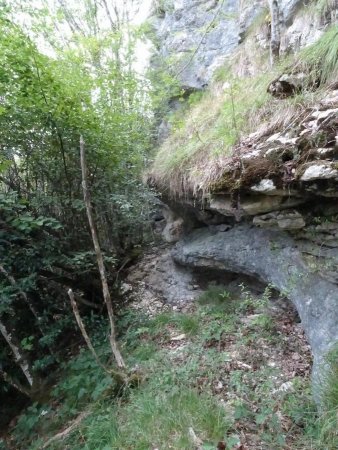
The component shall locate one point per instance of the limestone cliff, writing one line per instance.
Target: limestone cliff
(197, 36)
(253, 162)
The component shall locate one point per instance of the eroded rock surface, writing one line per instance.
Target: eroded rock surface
(160, 280)
(197, 36)
(272, 257)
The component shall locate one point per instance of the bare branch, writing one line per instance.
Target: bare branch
(83, 330)
(8, 379)
(63, 434)
(105, 289)
(112, 24)
(18, 354)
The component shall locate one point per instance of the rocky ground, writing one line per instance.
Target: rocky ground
(248, 349)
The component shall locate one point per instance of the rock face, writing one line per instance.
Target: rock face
(272, 257)
(159, 279)
(280, 223)
(285, 220)
(197, 36)
(271, 211)
(277, 171)
(173, 229)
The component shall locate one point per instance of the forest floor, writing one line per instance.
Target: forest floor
(224, 372)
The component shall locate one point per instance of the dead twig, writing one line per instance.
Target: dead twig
(83, 329)
(63, 434)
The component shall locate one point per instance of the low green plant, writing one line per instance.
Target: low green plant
(186, 323)
(219, 298)
(209, 130)
(322, 7)
(213, 382)
(330, 384)
(153, 418)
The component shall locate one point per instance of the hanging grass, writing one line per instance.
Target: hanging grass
(193, 159)
(320, 60)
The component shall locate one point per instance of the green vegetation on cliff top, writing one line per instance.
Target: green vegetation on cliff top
(206, 131)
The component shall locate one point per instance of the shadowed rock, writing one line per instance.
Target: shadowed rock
(272, 257)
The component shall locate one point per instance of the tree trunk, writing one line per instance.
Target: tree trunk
(105, 289)
(9, 380)
(18, 354)
(83, 329)
(275, 31)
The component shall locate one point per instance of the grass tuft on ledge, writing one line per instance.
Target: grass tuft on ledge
(204, 133)
(320, 60)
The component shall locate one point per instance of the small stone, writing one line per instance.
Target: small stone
(180, 337)
(223, 227)
(264, 186)
(319, 171)
(125, 287)
(285, 387)
(282, 139)
(320, 115)
(219, 386)
(290, 220)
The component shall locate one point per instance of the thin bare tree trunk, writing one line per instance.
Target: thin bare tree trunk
(275, 31)
(105, 289)
(83, 329)
(8, 379)
(112, 24)
(74, 26)
(18, 354)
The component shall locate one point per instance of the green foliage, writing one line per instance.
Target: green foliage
(84, 382)
(27, 422)
(330, 388)
(322, 7)
(181, 390)
(165, 418)
(218, 297)
(82, 83)
(178, 393)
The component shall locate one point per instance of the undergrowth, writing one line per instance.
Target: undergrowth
(215, 374)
